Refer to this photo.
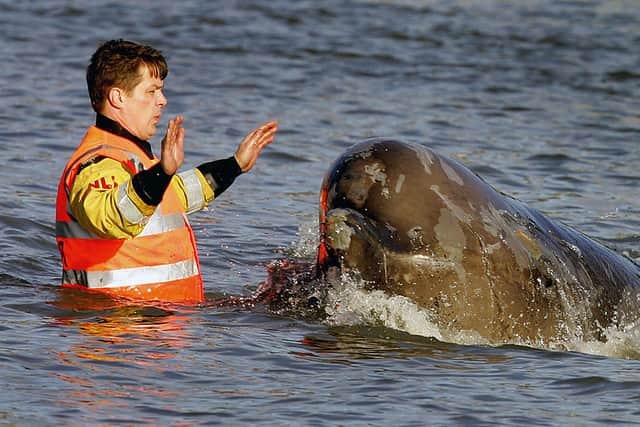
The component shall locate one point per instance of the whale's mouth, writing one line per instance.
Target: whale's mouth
(351, 241)
(347, 238)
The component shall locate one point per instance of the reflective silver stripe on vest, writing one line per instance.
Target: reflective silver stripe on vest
(132, 276)
(72, 230)
(195, 196)
(159, 223)
(126, 206)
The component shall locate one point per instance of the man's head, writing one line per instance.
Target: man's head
(125, 81)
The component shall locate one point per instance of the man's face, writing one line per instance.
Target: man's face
(142, 108)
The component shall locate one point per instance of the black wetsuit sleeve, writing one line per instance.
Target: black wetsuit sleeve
(220, 174)
(151, 184)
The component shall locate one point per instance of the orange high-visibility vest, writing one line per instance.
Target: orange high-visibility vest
(161, 263)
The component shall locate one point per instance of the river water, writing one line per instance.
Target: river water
(541, 98)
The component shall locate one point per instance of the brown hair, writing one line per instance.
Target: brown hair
(116, 63)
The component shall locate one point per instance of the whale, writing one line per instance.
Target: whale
(414, 223)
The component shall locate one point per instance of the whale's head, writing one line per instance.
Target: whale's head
(373, 209)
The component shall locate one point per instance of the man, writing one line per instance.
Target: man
(121, 226)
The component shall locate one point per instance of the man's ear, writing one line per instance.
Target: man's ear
(115, 97)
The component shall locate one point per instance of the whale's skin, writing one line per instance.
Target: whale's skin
(415, 223)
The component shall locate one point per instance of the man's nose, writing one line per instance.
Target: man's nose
(162, 100)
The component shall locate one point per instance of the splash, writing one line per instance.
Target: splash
(621, 343)
(307, 243)
(349, 303)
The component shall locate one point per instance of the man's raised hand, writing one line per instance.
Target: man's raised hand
(172, 154)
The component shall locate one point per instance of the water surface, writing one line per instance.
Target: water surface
(540, 99)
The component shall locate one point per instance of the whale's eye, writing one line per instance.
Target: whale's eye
(544, 280)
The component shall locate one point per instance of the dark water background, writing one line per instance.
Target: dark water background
(541, 98)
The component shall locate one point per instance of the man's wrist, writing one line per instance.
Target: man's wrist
(220, 174)
(151, 184)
